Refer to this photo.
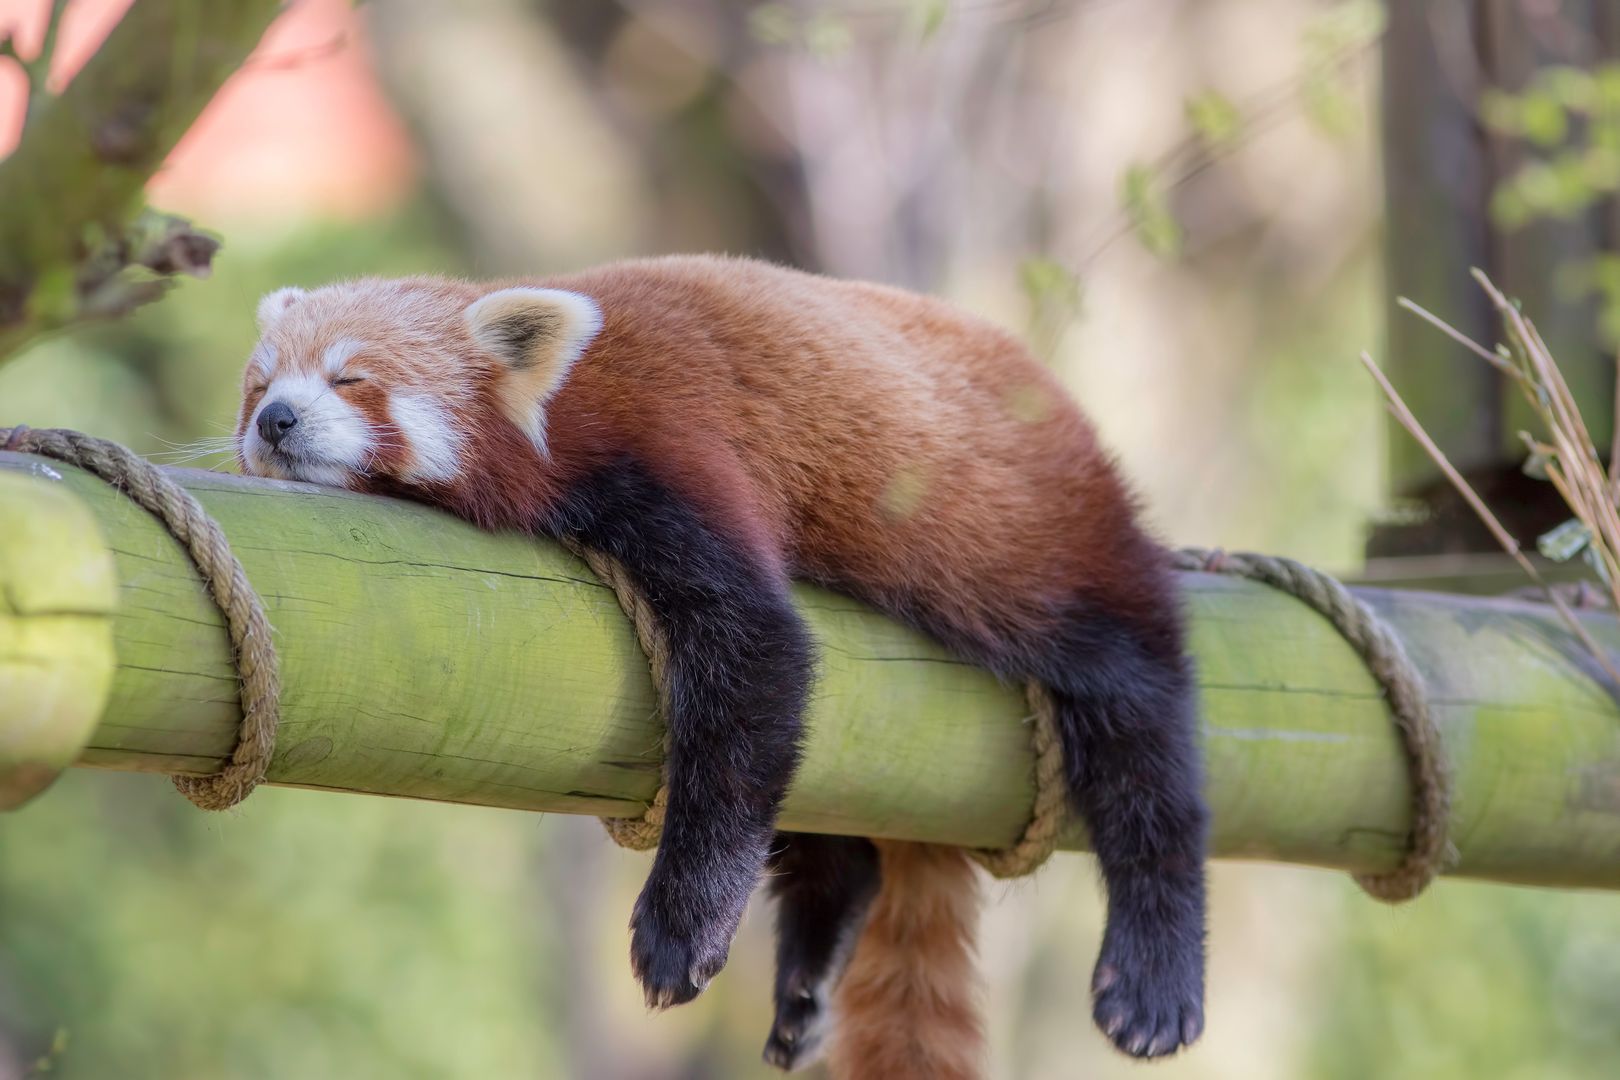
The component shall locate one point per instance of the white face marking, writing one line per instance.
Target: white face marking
(340, 353)
(434, 443)
(263, 362)
(332, 440)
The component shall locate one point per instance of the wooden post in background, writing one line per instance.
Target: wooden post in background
(1441, 167)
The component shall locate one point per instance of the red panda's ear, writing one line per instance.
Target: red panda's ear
(537, 334)
(275, 304)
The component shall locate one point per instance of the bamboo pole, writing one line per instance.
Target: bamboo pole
(423, 658)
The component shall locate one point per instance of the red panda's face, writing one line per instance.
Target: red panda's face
(387, 380)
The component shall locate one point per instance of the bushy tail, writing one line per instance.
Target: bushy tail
(908, 1004)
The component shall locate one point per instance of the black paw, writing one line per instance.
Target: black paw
(674, 965)
(796, 1037)
(1148, 1001)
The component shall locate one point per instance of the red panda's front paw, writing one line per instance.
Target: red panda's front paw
(1148, 1001)
(674, 964)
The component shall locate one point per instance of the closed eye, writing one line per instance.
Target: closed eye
(348, 380)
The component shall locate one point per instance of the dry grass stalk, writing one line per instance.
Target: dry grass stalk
(1569, 457)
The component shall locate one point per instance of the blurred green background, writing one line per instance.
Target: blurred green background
(1180, 204)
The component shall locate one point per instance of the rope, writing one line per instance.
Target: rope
(203, 540)
(1428, 849)
(642, 833)
(638, 833)
(1372, 639)
(1050, 808)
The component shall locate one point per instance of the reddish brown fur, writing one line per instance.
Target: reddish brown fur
(907, 1005)
(964, 463)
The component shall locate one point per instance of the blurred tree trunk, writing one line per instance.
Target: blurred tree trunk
(860, 144)
(550, 159)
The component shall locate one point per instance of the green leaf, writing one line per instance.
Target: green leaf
(1564, 542)
(47, 1061)
(1328, 102)
(1345, 25)
(1509, 210)
(1543, 118)
(1216, 119)
(1535, 466)
(1573, 87)
(927, 17)
(1605, 273)
(1325, 91)
(1600, 168)
(773, 24)
(1149, 212)
(1609, 324)
(1606, 92)
(827, 36)
(1046, 280)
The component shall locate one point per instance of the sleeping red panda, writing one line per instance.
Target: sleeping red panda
(720, 426)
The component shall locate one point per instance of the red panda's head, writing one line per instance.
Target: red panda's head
(386, 380)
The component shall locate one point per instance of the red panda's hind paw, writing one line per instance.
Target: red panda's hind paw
(1148, 1010)
(796, 1037)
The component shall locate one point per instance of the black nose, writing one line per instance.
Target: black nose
(275, 420)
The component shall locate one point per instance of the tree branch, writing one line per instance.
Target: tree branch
(71, 218)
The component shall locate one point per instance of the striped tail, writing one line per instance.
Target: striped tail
(908, 1004)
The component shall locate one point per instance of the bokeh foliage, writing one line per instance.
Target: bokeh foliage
(1569, 118)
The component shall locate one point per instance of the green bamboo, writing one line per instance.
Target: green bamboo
(423, 658)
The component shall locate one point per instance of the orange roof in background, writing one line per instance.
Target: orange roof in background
(303, 129)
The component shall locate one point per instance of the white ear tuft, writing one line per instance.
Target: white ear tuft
(275, 305)
(528, 328)
(537, 334)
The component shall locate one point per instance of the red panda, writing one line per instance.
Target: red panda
(721, 426)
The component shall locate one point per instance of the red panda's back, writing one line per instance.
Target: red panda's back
(891, 441)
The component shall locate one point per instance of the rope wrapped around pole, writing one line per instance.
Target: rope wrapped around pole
(1429, 849)
(203, 539)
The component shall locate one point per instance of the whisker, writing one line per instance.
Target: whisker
(179, 453)
(206, 441)
(186, 459)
